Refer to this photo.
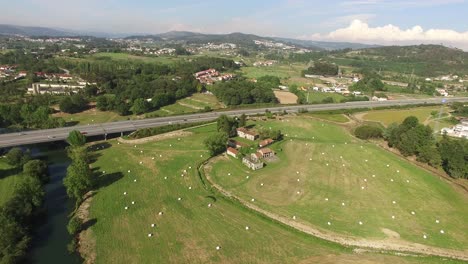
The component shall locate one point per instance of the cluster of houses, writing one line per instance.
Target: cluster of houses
(340, 89)
(264, 63)
(211, 76)
(58, 83)
(254, 161)
(65, 77)
(9, 71)
(460, 130)
(271, 44)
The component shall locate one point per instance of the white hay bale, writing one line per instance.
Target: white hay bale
(141, 151)
(362, 187)
(103, 172)
(134, 146)
(153, 225)
(407, 181)
(326, 199)
(178, 199)
(366, 160)
(346, 143)
(201, 156)
(247, 228)
(253, 200)
(218, 247)
(298, 192)
(209, 205)
(125, 193)
(126, 207)
(182, 175)
(170, 145)
(342, 204)
(298, 180)
(247, 176)
(141, 162)
(297, 172)
(229, 174)
(165, 177)
(294, 217)
(393, 202)
(437, 221)
(360, 222)
(133, 202)
(391, 180)
(442, 231)
(343, 165)
(152, 158)
(333, 146)
(178, 139)
(134, 180)
(388, 165)
(327, 164)
(150, 235)
(413, 213)
(373, 175)
(128, 171)
(398, 171)
(261, 184)
(424, 236)
(323, 153)
(341, 157)
(160, 155)
(310, 159)
(393, 217)
(328, 223)
(365, 180)
(190, 167)
(190, 187)
(185, 171)
(160, 213)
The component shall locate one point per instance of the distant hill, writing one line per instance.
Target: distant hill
(423, 60)
(33, 31)
(327, 45)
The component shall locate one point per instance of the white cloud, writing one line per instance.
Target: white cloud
(359, 31)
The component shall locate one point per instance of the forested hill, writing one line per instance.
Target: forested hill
(424, 60)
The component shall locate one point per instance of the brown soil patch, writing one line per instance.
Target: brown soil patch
(286, 97)
(390, 233)
(86, 240)
(173, 134)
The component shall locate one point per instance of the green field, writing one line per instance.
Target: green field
(387, 117)
(130, 57)
(308, 148)
(192, 104)
(317, 97)
(189, 231)
(339, 118)
(8, 180)
(283, 71)
(92, 116)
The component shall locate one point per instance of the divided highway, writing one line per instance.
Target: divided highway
(57, 134)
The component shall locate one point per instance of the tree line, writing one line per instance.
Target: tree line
(242, 91)
(18, 214)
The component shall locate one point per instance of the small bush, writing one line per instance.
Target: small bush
(74, 225)
(366, 132)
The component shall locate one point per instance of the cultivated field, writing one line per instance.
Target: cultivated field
(189, 230)
(191, 104)
(389, 116)
(327, 179)
(286, 97)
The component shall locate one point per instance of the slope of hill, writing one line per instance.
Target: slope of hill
(423, 60)
(327, 45)
(32, 31)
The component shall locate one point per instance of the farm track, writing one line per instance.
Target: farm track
(389, 244)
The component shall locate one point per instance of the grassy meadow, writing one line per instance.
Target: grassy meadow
(8, 180)
(325, 175)
(189, 230)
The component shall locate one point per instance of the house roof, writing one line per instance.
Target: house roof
(265, 150)
(232, 150)
(246, 131)
(266, 142)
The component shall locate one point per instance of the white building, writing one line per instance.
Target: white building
(460, 130)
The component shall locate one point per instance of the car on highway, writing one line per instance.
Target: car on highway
(50, 136)
(83, 133)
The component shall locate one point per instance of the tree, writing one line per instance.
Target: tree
(216, 144)
(140, 106)
(36, 169)
(242, 120)
(78, 180)
(75, 138)
(73, 104)
(102, 103)
(367, 132)
(14, 157)
(227, 125)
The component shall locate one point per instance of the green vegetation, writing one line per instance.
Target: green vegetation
(368, 132)
(188, 231)
(76, 139)
(73, 104)
(322, 68)
(386, 117)
(351, 166)
(147, 132)
(339, 118)
(238, 92)
(21, 199)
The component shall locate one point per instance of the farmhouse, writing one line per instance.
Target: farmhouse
(232, 152)
(266, 152)
(209, 72)
(236, 144)
(265, 142)
(460, 130)
(252, 164)
(247, 134)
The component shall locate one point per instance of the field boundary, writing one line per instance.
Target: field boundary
(379, 245)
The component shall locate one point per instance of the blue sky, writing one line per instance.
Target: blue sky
(288, 18)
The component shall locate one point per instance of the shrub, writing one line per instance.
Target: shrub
(74, 225)
(366, 132)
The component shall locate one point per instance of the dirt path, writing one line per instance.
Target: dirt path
(190, 106)
(389, 244)
(86, 241)
(173, 134)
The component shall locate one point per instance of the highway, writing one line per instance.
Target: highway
(58, 134)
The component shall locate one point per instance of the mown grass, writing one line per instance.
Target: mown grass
(427, 195)
(389, 116)
(339, 118)
(189, 230)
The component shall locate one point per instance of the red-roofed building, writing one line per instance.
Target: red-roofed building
(266, 152)
(232, 152)
(265, 142)
(247, 134)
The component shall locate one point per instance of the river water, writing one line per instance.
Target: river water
(51, 237)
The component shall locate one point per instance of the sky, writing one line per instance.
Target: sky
(385, 22)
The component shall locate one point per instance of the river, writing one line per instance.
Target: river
(51, 237)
